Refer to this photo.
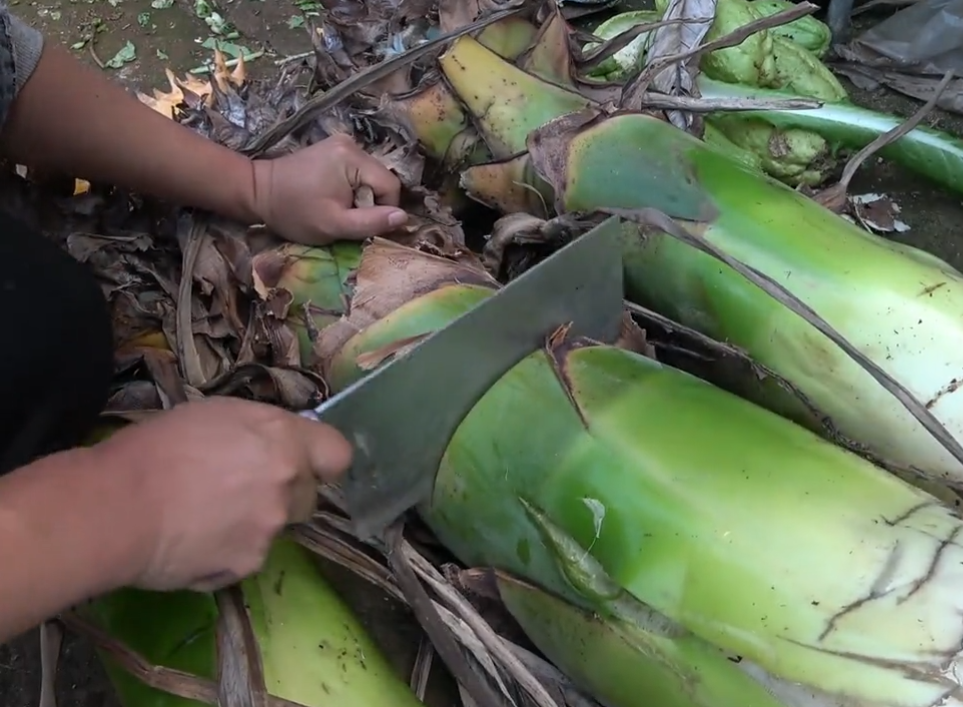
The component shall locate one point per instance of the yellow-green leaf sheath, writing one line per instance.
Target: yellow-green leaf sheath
(313, 649)
(901, 307)
(749, 531)
(620, 663)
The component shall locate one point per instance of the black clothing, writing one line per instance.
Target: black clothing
(57, 362)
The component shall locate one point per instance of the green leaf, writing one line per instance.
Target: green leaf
(296, 21)
(162, 55)
(143, 19)
(161, 4)
(126, 55)
(229, 48)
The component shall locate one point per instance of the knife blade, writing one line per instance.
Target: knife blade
(401, 417)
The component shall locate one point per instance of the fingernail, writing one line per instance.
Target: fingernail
(397, 218)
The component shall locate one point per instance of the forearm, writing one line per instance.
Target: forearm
(69, 530)
(71, 118)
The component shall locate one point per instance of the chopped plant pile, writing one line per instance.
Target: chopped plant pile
(747, 499)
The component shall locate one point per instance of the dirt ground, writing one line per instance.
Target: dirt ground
(134, 40)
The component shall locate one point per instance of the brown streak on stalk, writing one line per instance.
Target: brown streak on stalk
(903, 517)
(931, 570)
(923, 672)
(173, 682)
(876, 591)
(306, 315)
(240, 672)
(557, 348)
(372, 359)
(932, 288)
(950, 387)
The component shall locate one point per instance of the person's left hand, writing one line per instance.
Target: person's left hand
(308, 196)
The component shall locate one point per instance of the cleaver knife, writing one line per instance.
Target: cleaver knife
(401, 417)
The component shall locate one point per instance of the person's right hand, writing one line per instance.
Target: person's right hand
(217, 481)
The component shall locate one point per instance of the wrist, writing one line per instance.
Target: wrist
(110, 515)
(129, 506)
(241, 200)
(73, 525)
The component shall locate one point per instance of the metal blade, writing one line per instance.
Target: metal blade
(401, 417)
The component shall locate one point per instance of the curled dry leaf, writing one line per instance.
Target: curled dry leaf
(877, 213)
(694, 20)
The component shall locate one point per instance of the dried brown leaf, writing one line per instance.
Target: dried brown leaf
(835, 198)
(923, 88)
(292, 388)
(694, 18)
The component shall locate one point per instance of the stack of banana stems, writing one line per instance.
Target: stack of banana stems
(700, 513)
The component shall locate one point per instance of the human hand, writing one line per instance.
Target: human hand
(218, 480)
(308, 196)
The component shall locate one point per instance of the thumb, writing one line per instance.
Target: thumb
(328, 452)
(367, 221)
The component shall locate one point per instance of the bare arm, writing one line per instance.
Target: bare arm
(70, 529)
(67, 117)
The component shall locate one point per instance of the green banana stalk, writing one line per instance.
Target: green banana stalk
(627, 662)
(712, 135)
(522, 99)
(898, 305)
(839, 123)
(807, 32)
(799, 71)
(313, 650)
(321, 287)
(435, 116)
(629, 57)
(792, 155)
(766, 58)
(661, 539)
(932, 153)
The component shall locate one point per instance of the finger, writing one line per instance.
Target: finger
(304, 498)
(213, 582)
(383, 182)
(365, 222)
(328, 452)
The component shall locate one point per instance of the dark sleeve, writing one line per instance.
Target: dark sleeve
(20, 47)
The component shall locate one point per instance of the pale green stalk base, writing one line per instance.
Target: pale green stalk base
(313, 650)
(898, 305)
(747, 530)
